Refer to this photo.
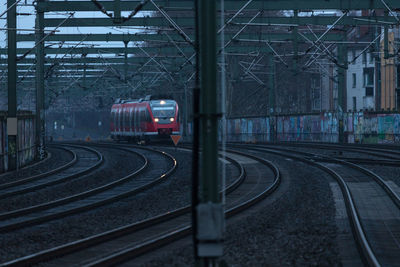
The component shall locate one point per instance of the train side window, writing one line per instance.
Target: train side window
(135, 120)
(148, 117)
(119, 119)
(126, 118)
(131, 117)
(116, 118)
(122, 119)
(143, 113)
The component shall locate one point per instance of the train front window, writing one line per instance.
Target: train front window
(163, 112)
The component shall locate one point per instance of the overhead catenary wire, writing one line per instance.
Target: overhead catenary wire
(172, 22)
(123, 19)
(45, 37)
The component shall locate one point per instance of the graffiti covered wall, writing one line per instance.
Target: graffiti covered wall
(358, 127)
(372, 128)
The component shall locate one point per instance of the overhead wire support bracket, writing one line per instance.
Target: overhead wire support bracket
(329, 28)
(390, 11)
(273, 50)
(158, 63)
(177, 47)
(240, 31)
(119, 19)
(172, 22)
(220, 30)
(234, 16)
(45, 37)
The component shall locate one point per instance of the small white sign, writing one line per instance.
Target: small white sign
(12, 126)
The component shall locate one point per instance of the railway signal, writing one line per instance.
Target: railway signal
(175, 139)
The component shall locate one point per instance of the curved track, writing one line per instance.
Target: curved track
(112, 247)
(84, 161)
(373, 206)
(114, 191)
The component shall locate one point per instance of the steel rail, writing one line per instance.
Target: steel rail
(51, 182)
(49, 155)
(38, 176)
(74, 210)
(358, 231)
(351, 147)
(379, 180)
(383, 162)
(169, 237)
(115, 233)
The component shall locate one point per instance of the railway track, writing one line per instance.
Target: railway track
(124, 187)
(135, 239)
(375, 154)
(373, 206)
(26, 168)
(84, 161)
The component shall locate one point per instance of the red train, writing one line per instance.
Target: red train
(144, 119)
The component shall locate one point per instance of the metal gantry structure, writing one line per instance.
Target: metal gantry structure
(161, 40)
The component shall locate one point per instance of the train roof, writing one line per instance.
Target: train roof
(147, 98)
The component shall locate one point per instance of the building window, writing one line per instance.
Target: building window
(369, 91)
(368, 77)
(398, 99)
(398, 76)
(364, 57)
(354, 80)
(371, 57)
(354, 103)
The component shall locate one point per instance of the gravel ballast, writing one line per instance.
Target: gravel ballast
(175, 189)
(117, 163)
(58, 158)
(293, 227)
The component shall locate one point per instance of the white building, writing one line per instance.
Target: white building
(360, 80)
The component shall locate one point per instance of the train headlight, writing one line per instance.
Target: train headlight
(172, 119)
(156, 119)
(162, 102)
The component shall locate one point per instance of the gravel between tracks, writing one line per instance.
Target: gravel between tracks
(116, 165)
(391, 173)
(171, 194)
(293, 228)
(58, 158)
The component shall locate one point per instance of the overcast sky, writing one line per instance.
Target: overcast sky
(28, 22)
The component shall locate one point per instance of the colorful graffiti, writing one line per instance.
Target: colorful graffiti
(358, 127)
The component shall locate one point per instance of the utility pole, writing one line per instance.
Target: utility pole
(126, 42)
(210, 218)
(12, 123)
(271, 94)
(40, 119)
(342, 55)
